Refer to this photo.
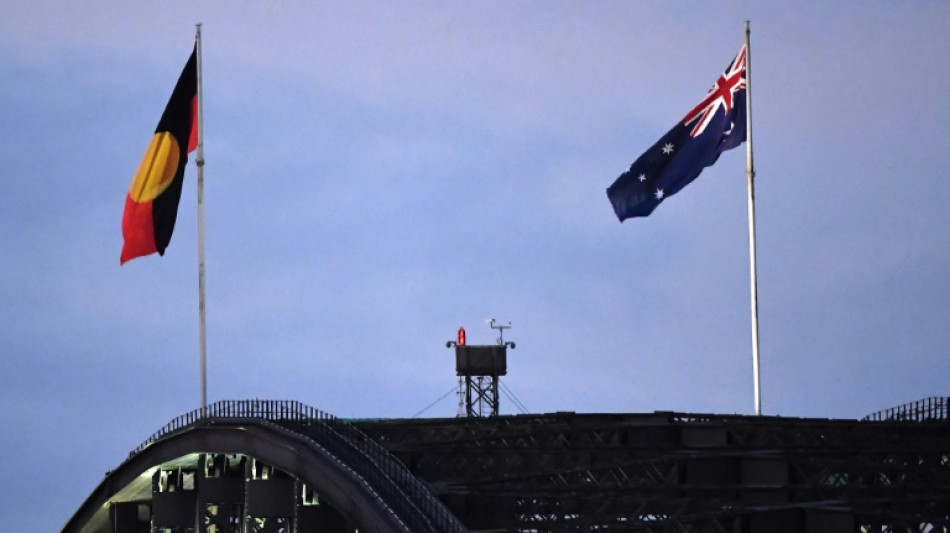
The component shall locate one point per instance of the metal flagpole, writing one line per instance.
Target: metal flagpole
(750, 178)
(200, 161)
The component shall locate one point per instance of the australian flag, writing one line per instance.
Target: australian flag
(716, 124)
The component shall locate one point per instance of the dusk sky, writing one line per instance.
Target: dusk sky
(381, 173)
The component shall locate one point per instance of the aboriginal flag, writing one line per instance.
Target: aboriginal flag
(151, 205)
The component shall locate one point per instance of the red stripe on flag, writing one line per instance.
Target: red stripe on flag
(137, 230)
(193, 138)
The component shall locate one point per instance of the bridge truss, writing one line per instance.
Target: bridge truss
(262, 466)
(680, 472)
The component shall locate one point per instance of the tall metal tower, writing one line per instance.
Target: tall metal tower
(478, 369)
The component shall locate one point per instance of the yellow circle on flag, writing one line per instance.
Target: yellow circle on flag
(157, 169)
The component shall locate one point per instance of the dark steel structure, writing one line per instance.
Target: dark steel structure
(281, 466)
(479, 368)
(259, 466)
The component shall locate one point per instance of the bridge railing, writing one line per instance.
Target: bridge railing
(928, 409)
(273, 410)
(360, 452)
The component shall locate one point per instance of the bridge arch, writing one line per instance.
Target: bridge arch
(285, 449)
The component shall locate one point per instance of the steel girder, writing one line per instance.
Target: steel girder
(679, 472)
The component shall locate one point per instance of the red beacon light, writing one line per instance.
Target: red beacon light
(461, 337)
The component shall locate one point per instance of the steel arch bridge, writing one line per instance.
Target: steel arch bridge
(261, 466)
(279, 466)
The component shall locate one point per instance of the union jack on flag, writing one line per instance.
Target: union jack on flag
(716, 124)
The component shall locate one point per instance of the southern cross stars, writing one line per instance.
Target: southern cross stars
(659, 194)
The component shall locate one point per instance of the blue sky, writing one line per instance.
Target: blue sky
(380, 173)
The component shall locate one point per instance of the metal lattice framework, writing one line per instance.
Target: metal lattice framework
(681, 472)
(308, 445)
(561, 472)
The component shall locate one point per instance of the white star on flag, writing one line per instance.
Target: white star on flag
(659, 194)
(668, 148)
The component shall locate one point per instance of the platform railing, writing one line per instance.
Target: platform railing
(928, 409)
(383, 472)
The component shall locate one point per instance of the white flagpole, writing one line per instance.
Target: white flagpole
(750, 178)
(200, 161)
